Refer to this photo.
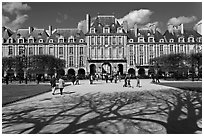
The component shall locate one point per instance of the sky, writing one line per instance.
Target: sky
(72, 15)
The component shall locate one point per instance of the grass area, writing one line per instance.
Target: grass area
(12, 93)
(193, 86)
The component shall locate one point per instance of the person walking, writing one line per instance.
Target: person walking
(91, 79)
(126, 80)
(61, 85)
(138, 81)
(157, 78)
(77, 80)
(53, 84)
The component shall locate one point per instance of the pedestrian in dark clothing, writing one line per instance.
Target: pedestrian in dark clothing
(106, 78)
(126, 80)
(153, 77)
(157, 78)
(77, 80)
(138, 81)
(53, 84)
(38, 79)
(7, 79)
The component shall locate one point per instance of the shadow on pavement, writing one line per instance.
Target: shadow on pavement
(172, 112)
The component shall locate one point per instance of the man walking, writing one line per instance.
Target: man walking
(53, 84)
(138, 81)
(61, 85)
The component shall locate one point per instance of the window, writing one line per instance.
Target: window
(141, 49)
(106, 30)
(81, 50)
(60, 50)
(51, 41)
(110, 52)
(131, 49)
(171, 40)
(81, 40)
(98, 40)
(71, 51)
(71, 62)
(141, 39)
(10, 52)
(102, 52)
(151, 48)
(131, 60)
(106, 40)
(92, 30)
(71, 40)
(61, 40)
(10, 40)
(20, 40)
(41, 41)
(161, 49)
(114, 40)
(92, 40)
(141, 60)
(30, 40)
(161, 40)
(21, 50)
(81, 62)
(40, 50)
(171, 48)
(51, 50)
(119, 29)
(120, 41)
(190, 39)
(181, 39)
(181, 47)
(30, 50)
(131, 40)
(151, 39)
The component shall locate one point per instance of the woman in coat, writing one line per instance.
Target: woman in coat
(61, 85)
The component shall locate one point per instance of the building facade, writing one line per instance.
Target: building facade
(106, 46)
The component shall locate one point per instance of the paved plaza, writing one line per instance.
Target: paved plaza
(97, 108)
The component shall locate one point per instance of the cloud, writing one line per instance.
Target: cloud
(16, 9)
(198, 27)
(61, 17)
(181, 20)
(141, 16)
(82, 25)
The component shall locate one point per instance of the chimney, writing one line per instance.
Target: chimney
(170, 28)
(135, 28)
(30, 29)
(50, 30)
(182, 30)
(125, 26)
(88, 22)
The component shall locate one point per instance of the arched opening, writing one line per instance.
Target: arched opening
(71, 73)
(120, 69)
(81, 73)
(131, 72)
(106, 68)
(141, 72)
(92, 69)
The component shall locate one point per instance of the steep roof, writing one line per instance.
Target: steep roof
(6, 33)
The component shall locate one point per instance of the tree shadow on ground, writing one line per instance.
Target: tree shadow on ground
(173, 112)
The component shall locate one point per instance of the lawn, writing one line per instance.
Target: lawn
(193, 86)
(12, 93)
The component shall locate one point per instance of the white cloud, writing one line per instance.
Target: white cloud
(181, 20)
(198, 27)
(141, 16)
(14, 8)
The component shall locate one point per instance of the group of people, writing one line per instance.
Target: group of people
(128, 81)
(155, 78)
(53, 83)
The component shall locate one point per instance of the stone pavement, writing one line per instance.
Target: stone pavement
(47, 113)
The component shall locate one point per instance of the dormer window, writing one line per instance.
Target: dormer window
(139, 34)
(119, 30)
(181, 39)
(141, 39)
(151, 39)
(92, 30)
(131, 40)
(40, 40)
(71, 40)
(20, 40)
(10, 40)
(60, 40)
(190, 39)
(81, 40)
(171, 40)
(30, 40)
(51, 41)
(106, 30)
(161, 40)
(200, 39)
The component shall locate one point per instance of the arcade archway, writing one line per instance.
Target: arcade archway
(71, 72)
(81, 73)
(131, 71)
(106, 68)
(92, 69)
(141, 72)
(120, 69)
